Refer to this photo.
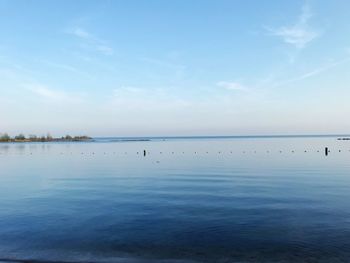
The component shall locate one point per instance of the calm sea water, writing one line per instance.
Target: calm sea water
(187, 200)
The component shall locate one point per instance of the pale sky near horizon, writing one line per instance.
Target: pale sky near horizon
(180, 67)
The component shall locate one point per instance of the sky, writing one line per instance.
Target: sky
(174, 68)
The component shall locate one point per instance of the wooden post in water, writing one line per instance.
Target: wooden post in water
(144, 152)
(326, 151)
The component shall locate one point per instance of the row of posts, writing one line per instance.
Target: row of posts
(326, 151)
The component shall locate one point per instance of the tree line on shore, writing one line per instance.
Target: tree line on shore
(4, 137)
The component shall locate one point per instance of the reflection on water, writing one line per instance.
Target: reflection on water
(208, 200)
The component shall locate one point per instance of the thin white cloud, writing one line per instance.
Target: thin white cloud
(300, 34)
(134, 99)
(67, 68)
(175, 69)
(79, 32)
(51, 95)
(314, 72)
(62, 66)
(126, 90)
(105, 49)
(91, 40)
(231, 85)
(163, 63)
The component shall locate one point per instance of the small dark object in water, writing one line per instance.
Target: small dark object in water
(326, 151)
(144, 152)
(344, 139)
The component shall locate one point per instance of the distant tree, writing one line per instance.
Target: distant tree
(20, 137)
(68, 137)
(5, 137)
(33, 137)
(43, 138)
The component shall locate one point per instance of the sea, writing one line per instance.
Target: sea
(238, 199)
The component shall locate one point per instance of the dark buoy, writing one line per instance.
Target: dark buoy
(144, 152)
(326, 151)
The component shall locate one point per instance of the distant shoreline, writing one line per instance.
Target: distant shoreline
(5, 138)
(19, 139)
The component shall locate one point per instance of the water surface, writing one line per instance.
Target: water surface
(187, 200)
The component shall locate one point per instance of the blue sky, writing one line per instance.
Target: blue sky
(181, 67)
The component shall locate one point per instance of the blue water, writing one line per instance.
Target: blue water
(188, 200)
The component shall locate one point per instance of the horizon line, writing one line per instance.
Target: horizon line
(227, 136)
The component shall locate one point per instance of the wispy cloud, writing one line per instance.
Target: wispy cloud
(51, 95)
(231, 85)
(96, 43)
(105, 49)
(141, 100)
(127, 90)
(171, 65)
(163, 63)
(62, 66)
(313, 72)
(79, 32)
(300, 33)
